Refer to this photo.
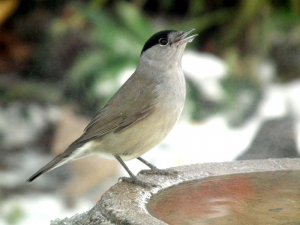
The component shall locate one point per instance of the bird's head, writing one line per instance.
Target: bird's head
(166, 47)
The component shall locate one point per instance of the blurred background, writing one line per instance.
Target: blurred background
(61, 60)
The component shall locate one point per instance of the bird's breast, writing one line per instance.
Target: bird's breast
(171, 89)
(152, 129)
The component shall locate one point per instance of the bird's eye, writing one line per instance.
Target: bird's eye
(163, 41)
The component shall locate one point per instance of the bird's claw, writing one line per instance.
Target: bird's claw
(160, 172)
(137, 182)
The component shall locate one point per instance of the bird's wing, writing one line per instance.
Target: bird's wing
(134, 101)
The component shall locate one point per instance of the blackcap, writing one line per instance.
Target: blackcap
(142, 112)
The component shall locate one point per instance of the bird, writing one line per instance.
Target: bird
(141, 113)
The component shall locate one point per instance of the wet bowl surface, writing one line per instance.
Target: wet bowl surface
(259, 198)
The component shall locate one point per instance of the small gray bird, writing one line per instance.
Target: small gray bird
(142, 112)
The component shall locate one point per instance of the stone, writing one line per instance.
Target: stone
(126, 203)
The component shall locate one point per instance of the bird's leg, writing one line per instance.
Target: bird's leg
(132, 179)
(154, 169)
(150, 165)
(125, 166)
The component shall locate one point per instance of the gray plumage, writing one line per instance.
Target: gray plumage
(142, 112)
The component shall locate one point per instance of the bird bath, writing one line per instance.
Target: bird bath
(251, 198)
(242, 192)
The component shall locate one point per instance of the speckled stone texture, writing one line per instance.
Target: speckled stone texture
(125, 203)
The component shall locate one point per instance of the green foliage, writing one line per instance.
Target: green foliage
(30, 91)
(242, 97)
(116, 43)
(14, 216)
(198, 105)
(90, 43)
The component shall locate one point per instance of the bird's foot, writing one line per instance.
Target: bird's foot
(136, 181)
(157, 171)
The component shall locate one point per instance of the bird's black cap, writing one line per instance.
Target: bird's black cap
(153, 40)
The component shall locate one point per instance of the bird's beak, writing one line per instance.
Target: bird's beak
(184, 37)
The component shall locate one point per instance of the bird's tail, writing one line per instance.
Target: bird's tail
(69, 154)
(56, 162)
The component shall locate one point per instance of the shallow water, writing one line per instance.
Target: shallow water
(256, 198)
